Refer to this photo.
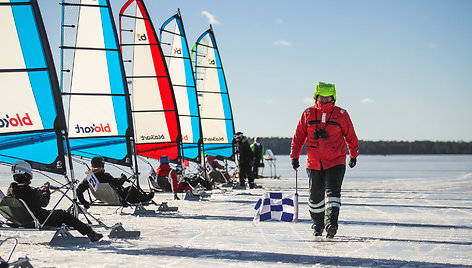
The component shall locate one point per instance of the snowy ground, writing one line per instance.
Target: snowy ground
(398, 211)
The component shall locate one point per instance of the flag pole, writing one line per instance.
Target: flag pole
(295, 214)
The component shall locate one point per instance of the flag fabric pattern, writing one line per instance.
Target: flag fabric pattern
(276, 206)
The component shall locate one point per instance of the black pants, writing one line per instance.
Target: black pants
(59, 217)
(245, 171)
(255, 170)
(325, 183)
(164, 183)
(195, 180)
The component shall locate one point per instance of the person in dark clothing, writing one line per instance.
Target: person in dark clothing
(37, 199)
(258, 150)
(246, 160)
(131, 194)
(168, 179)
(216, 172)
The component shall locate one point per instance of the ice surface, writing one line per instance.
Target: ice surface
(398, 211)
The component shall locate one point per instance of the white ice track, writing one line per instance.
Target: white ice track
(398, 211)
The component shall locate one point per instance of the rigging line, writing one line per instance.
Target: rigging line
(133, 17)
(167, 31)
(212, 92)
(147, 76)
(152, 111)
(89, 48)
(175, 57)
(16, 4)
(204, 45)
(149, 44)
(188, 115)
(81, 5)
(208, 67)
(214, 118)
(42, 69)
(93, 94)
(176, 85)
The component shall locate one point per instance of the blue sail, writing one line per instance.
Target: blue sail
(94, 87)
(215, 106)
(177, 54)
(31, 114)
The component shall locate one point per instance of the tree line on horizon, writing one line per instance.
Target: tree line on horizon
(281, 146)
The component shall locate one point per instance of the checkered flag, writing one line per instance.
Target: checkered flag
(277, 206)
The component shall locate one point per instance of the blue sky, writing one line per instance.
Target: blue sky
(402, 69)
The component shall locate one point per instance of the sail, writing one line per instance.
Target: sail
(94, 87)
(176, 51)
(156, 122)
(215, 107)
(31, 117)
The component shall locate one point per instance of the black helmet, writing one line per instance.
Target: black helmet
(98, 161)
(238, 136)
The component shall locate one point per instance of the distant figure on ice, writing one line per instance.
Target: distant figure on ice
(326, 129)
(167, 179)
(258, 149)
(131, 193)
(246, 160)
(38, 198)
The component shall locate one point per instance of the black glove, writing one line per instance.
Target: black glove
(86, 205)
(295, 163)
(352, 162)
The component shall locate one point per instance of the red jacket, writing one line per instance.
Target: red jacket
(164, 170)
(325, 152)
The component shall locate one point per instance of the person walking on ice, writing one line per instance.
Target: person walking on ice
(326, 129)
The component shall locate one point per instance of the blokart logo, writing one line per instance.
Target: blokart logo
(177, 51)
(15, 121)
(211, 61)
(152, 137)
(93, 128)
(214, 139)
(141, 37)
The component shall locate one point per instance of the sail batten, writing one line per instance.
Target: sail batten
(215, 106)
(157, 129)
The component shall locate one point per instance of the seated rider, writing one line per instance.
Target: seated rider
(167, 178)
(37, 199)
(215, 170)
(98, 168)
